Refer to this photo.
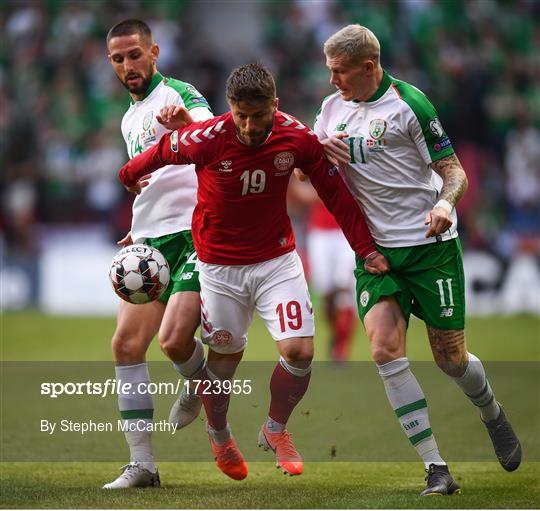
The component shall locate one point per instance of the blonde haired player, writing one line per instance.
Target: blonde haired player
(399, 163)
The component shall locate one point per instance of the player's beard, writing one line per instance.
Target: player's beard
(255, 138)
(142, 87)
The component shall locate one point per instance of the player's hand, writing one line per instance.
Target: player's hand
(126, 240)
(336, 150)
(439, 221)
(174, 117)
(376, 263)
(139, 185)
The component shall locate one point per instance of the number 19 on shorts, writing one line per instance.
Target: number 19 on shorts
(290, 315)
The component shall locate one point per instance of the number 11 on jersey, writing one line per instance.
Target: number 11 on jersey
(354, 144)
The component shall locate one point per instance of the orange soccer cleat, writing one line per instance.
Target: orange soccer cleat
(229, 459)
(287, 457)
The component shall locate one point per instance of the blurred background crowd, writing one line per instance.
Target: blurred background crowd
(61, 105)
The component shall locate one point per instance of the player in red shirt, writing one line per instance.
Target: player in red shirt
(246, 248)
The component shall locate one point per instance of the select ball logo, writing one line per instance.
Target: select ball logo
(139, 274)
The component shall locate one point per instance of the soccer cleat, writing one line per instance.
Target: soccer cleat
(505, 442)
(229, 459)
(134, 476)
(185, 409)
(440, 482)
(287, 457)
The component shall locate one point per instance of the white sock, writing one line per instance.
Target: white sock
(191, 367)
(409, 403)
(477, 388)
(220, 436)
(295, 371)
(137, 411)
(273, 426)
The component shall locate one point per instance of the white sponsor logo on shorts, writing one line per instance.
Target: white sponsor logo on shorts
(221, 337)
(364, 298)
(447, 313)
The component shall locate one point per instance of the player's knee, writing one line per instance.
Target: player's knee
(384, 354)
(449, 350)
(301, 351)
(177, 344)
(452, 364)
(385, 346)
(128, 348)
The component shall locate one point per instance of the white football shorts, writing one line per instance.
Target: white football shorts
(331, 261)
(277, 289)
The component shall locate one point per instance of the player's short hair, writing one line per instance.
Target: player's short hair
(130, 27)
(251, 83)
(355, 43)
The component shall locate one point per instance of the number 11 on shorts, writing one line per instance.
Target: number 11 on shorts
(293, 312)
(441, 292)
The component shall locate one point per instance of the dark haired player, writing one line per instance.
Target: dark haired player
(246, 248)
(162, 219)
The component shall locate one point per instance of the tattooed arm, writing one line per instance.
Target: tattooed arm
(454, 178)
(454, 186)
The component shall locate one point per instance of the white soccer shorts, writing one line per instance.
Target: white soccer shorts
(331, 261)
(277, 289)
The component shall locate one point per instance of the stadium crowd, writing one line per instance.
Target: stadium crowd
(477, 60)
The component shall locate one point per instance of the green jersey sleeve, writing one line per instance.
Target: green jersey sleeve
(425, 127)
(191, 97)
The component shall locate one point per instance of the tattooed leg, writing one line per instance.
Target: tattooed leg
(450, 352)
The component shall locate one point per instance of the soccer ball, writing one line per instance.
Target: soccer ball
(139, 274)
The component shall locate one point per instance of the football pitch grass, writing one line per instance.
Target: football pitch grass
(323, 485)
(31, 336)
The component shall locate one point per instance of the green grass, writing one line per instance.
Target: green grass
(31, 336)
(323, 485)
(35, 336)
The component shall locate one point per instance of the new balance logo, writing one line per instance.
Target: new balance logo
(447, 312)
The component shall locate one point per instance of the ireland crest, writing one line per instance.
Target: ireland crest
(377, 128)
(147, 121)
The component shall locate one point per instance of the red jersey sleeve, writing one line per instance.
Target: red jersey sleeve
(179, 147)
(336, 196)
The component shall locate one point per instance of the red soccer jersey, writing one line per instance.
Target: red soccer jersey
(241, 213)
